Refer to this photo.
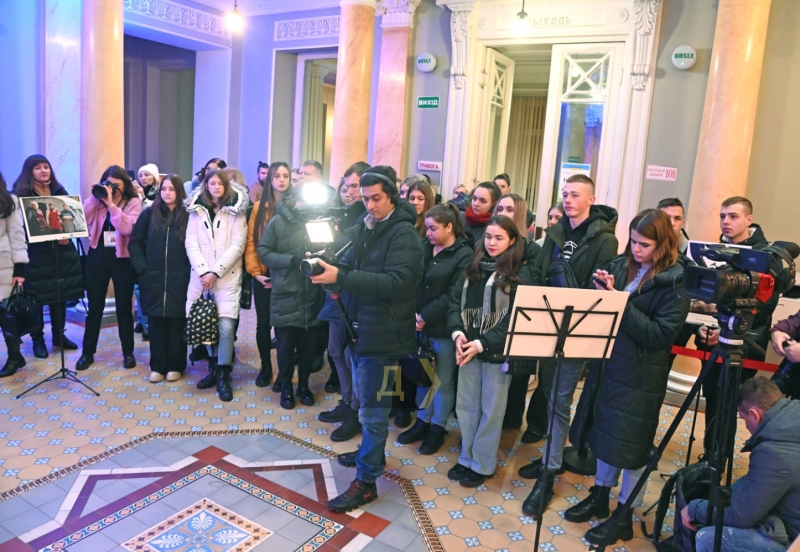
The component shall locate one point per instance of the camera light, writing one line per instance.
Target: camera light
(314, 193)
(320, 231)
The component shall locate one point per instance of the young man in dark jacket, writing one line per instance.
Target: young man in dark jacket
(584, 238)
(736, 224)
(764, 513)
(380, 290)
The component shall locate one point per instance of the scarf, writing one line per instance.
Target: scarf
(476, 220)
(370, 222)
(493, 300)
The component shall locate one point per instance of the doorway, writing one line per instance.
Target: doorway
(315, 95)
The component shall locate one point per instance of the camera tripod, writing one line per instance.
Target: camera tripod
(720, 456)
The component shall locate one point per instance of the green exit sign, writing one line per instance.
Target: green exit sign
(428, 102)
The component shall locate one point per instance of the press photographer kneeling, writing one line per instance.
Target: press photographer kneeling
(764, 513)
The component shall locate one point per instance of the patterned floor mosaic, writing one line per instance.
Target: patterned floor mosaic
(114, 469)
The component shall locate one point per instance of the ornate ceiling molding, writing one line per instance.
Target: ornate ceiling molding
(459, 31)
(180, 15)
(311, 27)
(645, 16)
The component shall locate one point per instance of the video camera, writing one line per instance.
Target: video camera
(322, 231)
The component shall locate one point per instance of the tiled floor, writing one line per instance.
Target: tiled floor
(62, 431)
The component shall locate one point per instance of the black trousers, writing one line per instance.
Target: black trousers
(58, 316)
(290, 340)
(536, 418)
(102, 267)
(167, 344)
(515, 406)
(713, 394)
(261, 297)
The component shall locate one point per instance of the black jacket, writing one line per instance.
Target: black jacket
(380, 286)
(441, 274)
(635, 376)
(295, 302)
(598, 247)
(40, 272)
(159, 257)
(494, 340)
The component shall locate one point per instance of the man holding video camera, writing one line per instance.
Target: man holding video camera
(736, 223)
(378, 277)
(764, 512)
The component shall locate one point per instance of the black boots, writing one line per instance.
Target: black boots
(349, 428)
(433, 441)
(211, 378)
(15, 359)
(594, 505)
(333, 385)
(287, 397)
(532, 470)
(357, 494)
(623, 530)
(338, 414)
(304, 394)
(39, 347)
(264, 377)
(543, 486)
(224, 382)
(415, 433)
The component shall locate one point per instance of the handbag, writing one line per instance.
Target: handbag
(202, 324)
(413, 367)
(20, 313)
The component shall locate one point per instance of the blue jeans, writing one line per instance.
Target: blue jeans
(561, 399)
(437, 409)
(608, 476)
(223, 350)
(737, 540)
(140, 318)
(374, 380)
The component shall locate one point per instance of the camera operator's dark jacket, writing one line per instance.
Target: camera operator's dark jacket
(381, 291)
(635, 376)
(440, 275)
(771, 488)
(598, 247)
(295, 301)
(159, 258)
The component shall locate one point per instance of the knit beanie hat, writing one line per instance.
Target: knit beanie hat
(149, 168)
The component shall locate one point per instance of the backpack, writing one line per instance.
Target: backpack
(559, 272)
(202, 324)
(685, 485)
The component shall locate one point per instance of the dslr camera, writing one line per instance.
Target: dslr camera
(99, 191)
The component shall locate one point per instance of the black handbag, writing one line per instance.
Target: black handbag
(20, 313)
(415, 367)
(202, 324)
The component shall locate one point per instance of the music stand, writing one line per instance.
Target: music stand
(562, 323)
(36, 234)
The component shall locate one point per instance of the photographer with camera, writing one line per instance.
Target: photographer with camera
(736, 223)
(634, 378)
(111, 212)
(573, 250)
(378, 276)
(764, 510)
(295, 302)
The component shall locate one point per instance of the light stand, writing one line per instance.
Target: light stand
(63, 373)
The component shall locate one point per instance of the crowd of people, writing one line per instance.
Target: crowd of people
(412, 270)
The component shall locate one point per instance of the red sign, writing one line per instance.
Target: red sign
(657, 172)
(429, 165)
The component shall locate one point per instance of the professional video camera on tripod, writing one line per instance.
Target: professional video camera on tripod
(749, 277)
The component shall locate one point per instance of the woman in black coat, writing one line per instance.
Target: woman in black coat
(158, 255)
(38, 179)
(634, 380)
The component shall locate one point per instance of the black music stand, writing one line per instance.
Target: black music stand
(562, 323)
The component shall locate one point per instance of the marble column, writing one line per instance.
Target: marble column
(397, 22)
(726, 132)
(353, 85)
(102, 100)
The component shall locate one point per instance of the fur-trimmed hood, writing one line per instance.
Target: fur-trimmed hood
(234, 207)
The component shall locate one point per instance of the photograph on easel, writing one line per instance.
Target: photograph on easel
(51, 218)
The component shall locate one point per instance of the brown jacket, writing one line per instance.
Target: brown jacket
(251, 261)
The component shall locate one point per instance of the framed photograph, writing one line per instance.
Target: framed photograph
(50, 218)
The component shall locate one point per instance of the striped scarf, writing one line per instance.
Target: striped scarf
(494, 304)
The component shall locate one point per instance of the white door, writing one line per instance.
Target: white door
(496, 84)
(581, 126)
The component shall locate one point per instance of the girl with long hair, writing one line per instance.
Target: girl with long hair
(52, 288)
(420, 195)
(634, 378)
(554, 215)
(158, 255)
(484, 197)
(110, 221)
(277, 183)
(215, 240)
(13, 258)
(445, 256)
(479, 314)
(213, 164)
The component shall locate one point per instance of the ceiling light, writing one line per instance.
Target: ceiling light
(522, 14)
(234, 20)
(521, 23)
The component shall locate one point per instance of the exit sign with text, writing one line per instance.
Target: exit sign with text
(428, 102)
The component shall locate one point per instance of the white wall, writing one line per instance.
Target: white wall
(212, 96)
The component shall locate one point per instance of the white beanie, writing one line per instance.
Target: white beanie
(149, 168)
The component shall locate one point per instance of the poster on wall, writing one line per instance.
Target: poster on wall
(51, 218)
(571, 169)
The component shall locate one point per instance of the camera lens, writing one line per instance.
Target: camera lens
(310, 267)
(99, 191)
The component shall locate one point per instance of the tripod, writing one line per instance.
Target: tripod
(720, 457)
(63, 373)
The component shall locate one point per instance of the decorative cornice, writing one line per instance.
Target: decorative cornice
(177, 14)
(312, 27)
(397, 13)
(514, 4)
(645, 14)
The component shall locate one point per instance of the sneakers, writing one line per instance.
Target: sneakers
(349, 428)
(433, 441)
(338, 414)
(357, 494)
(415, 433)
